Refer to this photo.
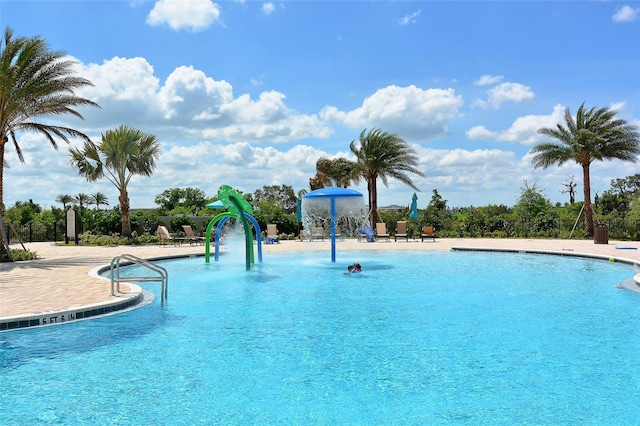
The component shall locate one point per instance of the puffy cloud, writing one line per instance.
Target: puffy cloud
(524, 130)
(479, 132)
(191, 103)
(417, 114)
(506, 92)
(184, 14)
(625, 13)
(191, 94)
(121, 79)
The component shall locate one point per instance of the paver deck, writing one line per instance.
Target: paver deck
(62, 278)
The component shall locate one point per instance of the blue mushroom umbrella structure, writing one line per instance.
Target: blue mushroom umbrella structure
(332, 204)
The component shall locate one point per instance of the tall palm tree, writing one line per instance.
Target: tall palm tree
(64, 199)
(35, 83)
(383, 155)
(99, 199)
(121, 154)
(594, 134)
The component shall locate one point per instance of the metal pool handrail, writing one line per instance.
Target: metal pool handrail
(116, 278)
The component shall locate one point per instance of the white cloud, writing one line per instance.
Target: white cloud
(191, 103)
(410, 18)
(625, 13)
(268, 8)
(121, 79)
(479, 132)
(184, 14)
(190, 94)
(487, 80)
(505, 92)
(411, 112)
(524, 130)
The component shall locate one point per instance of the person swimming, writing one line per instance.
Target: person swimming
(354, 268)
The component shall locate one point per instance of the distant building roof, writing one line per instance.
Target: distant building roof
(392, 207)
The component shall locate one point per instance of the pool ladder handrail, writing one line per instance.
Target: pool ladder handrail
(163, 276)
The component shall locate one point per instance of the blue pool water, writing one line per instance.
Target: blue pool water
(416, 338)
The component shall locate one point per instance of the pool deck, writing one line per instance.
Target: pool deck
(63, 283)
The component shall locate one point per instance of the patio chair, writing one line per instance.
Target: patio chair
(164, 236)
(428, 232)
(317, 232)
(272, 234)
(401, 230)
(381, 231)
(191, 236)
(339, 234)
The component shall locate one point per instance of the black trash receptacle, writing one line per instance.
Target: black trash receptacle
(601, 234)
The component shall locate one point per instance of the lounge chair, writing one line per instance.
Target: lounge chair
(317, 233)
(272, 234)
(339, 234)
(401, 230)
(164, 236)
(428, 232)
(381, 231)
(191, 236)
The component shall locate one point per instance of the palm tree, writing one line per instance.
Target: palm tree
(35, 83)
(121, 154)
(594, 134)
(99, 199)
(82, 200)
(383, 155)
(64, 199)
(338, 172)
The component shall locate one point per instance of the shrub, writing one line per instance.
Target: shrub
(91, 239)
(18, 255)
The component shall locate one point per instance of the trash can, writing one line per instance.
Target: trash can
(601, 234)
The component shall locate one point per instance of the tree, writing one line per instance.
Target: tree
(192, 199)
(531, 202)
(594, 134)
(99, 199)
(121, 154)
(36, 83)
(64, 199)
(619, 197)
(281, 195)
(436, 212)
(23, 212)
(82, 200)
(383, 155)
(339, 172)
(570, 186)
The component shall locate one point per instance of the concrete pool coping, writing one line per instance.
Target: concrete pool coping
(63, 284)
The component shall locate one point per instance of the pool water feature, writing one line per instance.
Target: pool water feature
(416, 338)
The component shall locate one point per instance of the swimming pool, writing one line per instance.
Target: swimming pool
(416, 338)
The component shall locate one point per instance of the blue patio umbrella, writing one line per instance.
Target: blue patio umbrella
(414, 207)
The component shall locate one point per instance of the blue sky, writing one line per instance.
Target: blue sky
(249, 93)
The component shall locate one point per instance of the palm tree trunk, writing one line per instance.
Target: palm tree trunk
(124, 207)
(3, 142)
(373, 195)
(588, 210)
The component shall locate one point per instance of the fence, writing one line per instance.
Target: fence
(619, 229)
(34, 232)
